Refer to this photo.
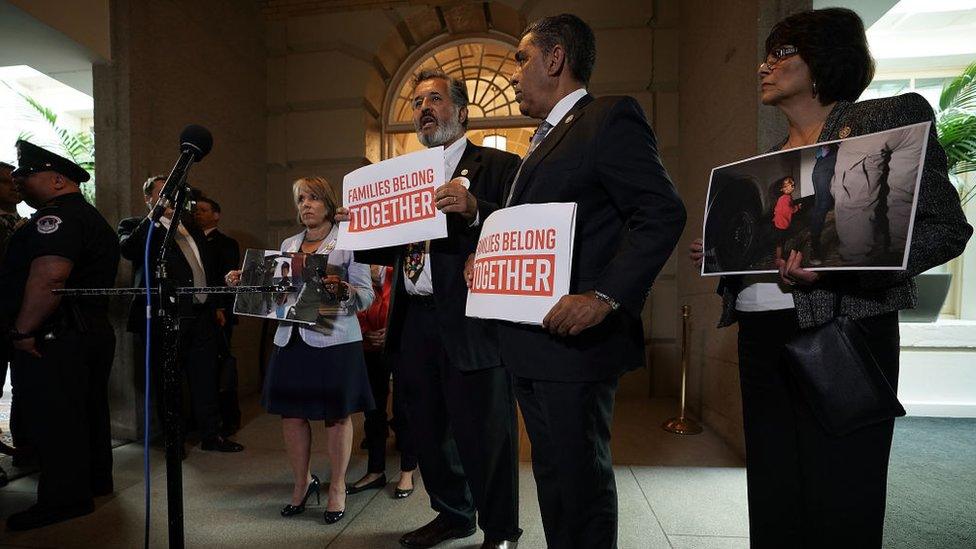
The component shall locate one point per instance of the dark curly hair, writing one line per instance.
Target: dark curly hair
(833, 44)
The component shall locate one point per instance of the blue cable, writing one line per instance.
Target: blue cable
(145, 429)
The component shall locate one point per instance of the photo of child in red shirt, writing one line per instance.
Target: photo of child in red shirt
(783, 212)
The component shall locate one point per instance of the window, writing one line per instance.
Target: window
(918, 45)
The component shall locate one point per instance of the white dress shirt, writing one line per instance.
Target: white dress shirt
(167, 222)
(563, 106)
(452, 157)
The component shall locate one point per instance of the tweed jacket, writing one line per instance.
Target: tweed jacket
(940, 232)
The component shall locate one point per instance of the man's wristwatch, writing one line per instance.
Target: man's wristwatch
(614, 305)
(14, 335)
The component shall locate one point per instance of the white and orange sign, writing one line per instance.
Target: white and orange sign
(522, 262)
(392, 202)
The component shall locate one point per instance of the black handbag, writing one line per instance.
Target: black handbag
(839, 377)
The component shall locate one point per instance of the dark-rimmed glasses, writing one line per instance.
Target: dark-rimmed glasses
(774, 57)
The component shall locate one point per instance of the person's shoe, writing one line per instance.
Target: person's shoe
(38, 515)
(291, 510)
(220, 444)
(504, 544)
(400, 493)
(332, 517)
(436, 531)
(376, 484)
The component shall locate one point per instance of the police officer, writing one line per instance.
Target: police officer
(63, 347)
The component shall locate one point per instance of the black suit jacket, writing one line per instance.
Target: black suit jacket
(226, 254)
(132, 240)
(471, 344)
(603, 156)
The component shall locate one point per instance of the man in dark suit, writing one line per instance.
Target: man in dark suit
(188, 263)
(602, 155)
(458, 397)
(226, 254)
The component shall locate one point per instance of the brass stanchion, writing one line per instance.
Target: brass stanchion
(682, 425)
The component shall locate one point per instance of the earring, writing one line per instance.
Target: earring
(814, 88)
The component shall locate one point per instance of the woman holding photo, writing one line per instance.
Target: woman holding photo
(317, 372)
(808, 488)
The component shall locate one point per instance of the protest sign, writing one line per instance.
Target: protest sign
(522, 262)
(392, 202)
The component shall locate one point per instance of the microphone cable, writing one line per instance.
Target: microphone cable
(146, 406)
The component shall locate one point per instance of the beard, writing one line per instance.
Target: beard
(446, 131)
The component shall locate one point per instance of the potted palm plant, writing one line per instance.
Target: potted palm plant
(955, 124)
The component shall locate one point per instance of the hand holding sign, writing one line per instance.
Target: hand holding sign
(575, 313)
(453, 197)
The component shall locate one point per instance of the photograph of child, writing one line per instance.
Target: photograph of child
(846, 204)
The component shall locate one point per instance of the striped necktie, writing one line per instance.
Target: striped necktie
(537, 137)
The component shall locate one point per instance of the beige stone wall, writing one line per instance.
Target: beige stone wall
(721, 122)
(328, 73)
(175, 63)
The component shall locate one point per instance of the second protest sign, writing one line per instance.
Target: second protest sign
(522, 262)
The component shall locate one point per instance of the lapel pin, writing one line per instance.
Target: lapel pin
(844, 132)
(464, 171)
(570, 118)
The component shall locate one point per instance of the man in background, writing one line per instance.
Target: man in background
(62, 347)
(226, 254)
(188, 262)
(9, 221)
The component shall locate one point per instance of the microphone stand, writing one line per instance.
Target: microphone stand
(168, 314)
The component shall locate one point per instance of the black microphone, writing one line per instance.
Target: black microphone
(195, 142)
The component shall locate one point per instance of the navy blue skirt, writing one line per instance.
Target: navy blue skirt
(327, 383)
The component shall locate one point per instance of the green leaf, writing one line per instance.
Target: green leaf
(960, 92)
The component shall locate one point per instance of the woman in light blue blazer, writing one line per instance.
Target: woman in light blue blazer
(317, 371)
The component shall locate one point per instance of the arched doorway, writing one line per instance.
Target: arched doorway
(485, 65)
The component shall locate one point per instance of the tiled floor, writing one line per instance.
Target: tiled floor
(681, 492)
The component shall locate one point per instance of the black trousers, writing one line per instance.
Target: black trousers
(375, 424)
(808, 488)
(228, 404)
(19, 431)
(465, 428)
(65, 393)
(198, 361)
(569, 427)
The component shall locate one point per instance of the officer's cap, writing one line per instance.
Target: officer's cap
(32, 159)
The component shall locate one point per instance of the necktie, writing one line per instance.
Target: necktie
(413, 260)
(199, 275)
(537, 137)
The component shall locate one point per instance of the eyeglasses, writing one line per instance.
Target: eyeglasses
(774, 57)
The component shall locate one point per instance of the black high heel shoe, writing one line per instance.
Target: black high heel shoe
(332, 517)
(290, 510)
